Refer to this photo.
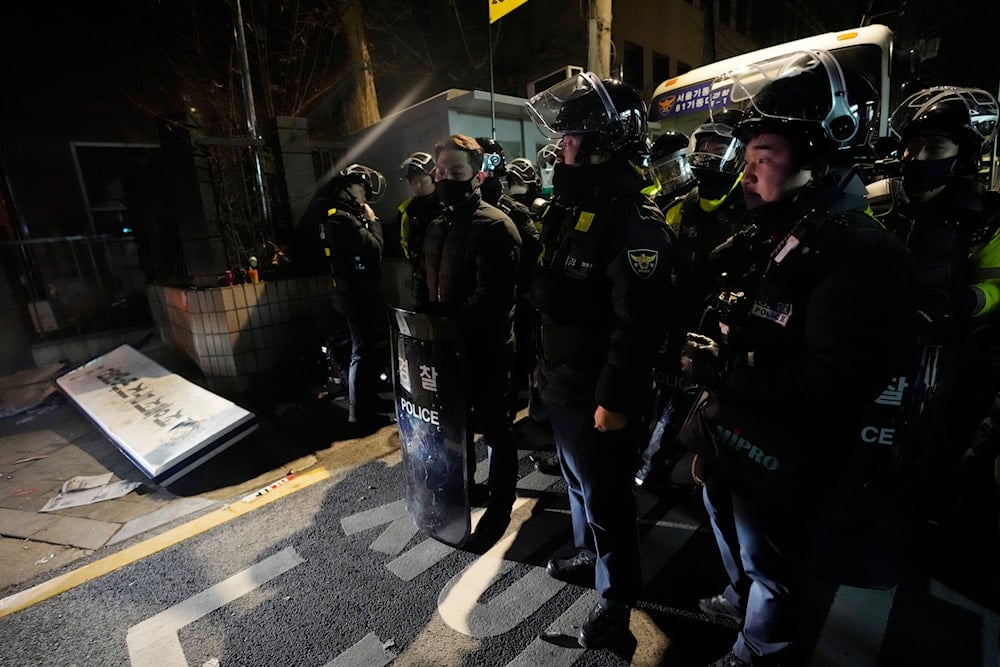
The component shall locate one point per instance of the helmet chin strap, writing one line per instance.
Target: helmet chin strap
(798, 181)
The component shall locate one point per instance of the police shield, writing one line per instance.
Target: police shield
(429, 377)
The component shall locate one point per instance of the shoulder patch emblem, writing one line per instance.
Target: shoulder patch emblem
(584, 221)
(643, 261)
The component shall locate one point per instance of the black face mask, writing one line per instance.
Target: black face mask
(714, 185)
(491, 190)
(570, 181)
(925, 175)
(454, 193)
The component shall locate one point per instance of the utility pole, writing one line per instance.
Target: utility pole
(599, 38)
(708, 33)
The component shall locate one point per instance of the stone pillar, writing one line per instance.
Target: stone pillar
(188, 189)
(293, 166)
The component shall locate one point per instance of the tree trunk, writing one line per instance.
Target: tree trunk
(360, 99)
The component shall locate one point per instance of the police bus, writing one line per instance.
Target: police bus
(682, 103)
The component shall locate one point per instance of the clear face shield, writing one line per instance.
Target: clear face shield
(829, 107)
(374, 186)
(714, 148)
(671, 171)
(982, 107)
(577, 105)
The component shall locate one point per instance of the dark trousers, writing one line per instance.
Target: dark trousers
(489, 388)
(598, 468)
(367, 324)
(765, 552)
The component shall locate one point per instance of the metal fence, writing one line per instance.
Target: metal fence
(73, 286)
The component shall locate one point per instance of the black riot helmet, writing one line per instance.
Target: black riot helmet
(417, 164)
(494, 160)
(716, 154)
(373, 181)
(610, 116)
(522, 169)
(668, 162)
(801, 96)
(967, 116)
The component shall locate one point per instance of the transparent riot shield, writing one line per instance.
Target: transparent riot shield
(429, 377)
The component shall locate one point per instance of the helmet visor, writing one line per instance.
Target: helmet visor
(715, 148)
(376, 187)
(374, 183)
(577, 105)
(672, 171)
(803, 86)
(982, 108)
(416, 164)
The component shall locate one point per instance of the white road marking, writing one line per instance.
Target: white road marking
(155, 642)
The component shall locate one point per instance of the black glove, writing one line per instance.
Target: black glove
(700, 363)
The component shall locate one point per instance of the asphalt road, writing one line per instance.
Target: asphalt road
(336, 574)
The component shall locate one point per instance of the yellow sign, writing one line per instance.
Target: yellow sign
(500, 8)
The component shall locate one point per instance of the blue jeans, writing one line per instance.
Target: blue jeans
(598, 468)
(765, 552)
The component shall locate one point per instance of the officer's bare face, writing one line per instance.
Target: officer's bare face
(713, 145)
(453, 165)
(421, 184)
(931, 147)
(770, 174)
(569, 149)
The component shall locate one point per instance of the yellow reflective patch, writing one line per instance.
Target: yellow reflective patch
(331, 211)
(583, 222)
(326, 251)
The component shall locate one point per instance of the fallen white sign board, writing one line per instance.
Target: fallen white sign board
(162, 423)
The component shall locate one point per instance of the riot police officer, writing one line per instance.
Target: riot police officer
(670, 170)
(351, 239)
(524, 182)
(603, 291)
(950, 225)
(701, 220)
(420, 208)
(525, 319)
(815, 319)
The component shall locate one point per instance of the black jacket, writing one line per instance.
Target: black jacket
(352, 245)
(415, 215)
(531, 243)
(603, 290)
(825, 327)
(943, 235)
(699, 225)
(469, 273)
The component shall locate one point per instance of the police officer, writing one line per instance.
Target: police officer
(420, 208)
(603, 290)
(351, 238)
(525, 320)
(950, 224)
(469, 274)
(709, 214)
(670, 170)
(712, 211)
(815, 320)
(524, 182)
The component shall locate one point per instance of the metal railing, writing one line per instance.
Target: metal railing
(72, 286)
